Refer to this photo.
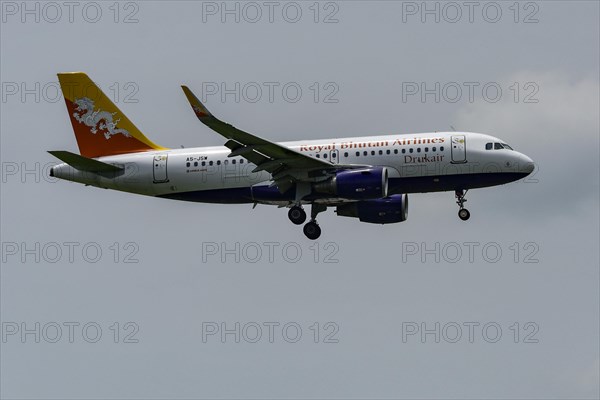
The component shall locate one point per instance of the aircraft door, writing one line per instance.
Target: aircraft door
(459, 149)
(160, 168)
(334, 156)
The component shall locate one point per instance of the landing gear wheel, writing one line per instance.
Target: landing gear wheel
(297, 215)
(312, 230)
(464, 214)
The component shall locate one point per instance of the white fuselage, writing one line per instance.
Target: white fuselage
(424, 162)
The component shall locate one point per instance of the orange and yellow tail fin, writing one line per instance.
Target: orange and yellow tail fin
(101, 129)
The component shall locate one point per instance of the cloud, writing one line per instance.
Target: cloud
(560, 131)
(563, 108)
(590, 378)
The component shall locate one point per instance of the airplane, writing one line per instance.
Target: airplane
(368, 178)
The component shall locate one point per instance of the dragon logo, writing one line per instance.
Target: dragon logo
(200, 112)
(97, 120)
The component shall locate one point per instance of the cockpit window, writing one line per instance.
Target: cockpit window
(497, 146)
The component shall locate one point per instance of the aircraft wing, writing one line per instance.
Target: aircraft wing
(285, 165)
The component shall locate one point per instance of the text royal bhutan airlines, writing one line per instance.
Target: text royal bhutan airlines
(362, 177)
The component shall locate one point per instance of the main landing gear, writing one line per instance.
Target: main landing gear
(463, 213)
(297, 215)
(312, 230)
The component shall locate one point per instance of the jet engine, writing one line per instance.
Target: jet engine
(356, 184)
(388, 210)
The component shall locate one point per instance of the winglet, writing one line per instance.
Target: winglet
(197, 106)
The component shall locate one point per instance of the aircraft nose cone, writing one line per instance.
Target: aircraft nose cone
(527, 166)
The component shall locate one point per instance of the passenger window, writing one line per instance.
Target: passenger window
(210, 163)
(219, 162)
(395, 151)
(358, 154)
(380, 152)
(203, 163)
(498, 146)
(410, 150)
(195, 163)
(346, 154)
(418, 149)
(403, 151)
(318, 156)
(387, 152)
(187, 164)
(232, 161)
(325, 155)
(426, 149)
(365, 153)
(372, 152)
(488, 146)
(433, 149)
(241, 161)
(441, 148)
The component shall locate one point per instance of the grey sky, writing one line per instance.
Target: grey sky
(380, 284)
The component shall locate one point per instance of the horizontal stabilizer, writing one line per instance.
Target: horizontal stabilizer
(83, 163)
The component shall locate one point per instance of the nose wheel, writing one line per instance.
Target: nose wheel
(463, 213)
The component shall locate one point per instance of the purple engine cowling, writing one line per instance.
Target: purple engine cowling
(388, 210)
(356, 184)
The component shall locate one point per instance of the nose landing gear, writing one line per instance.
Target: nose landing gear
(463, 213)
